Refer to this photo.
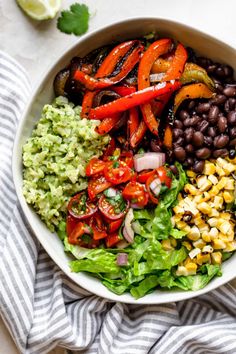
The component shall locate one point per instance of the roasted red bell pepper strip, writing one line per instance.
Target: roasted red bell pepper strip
(177, 65)
(168, 139)
(195, 73)
(108, 123)
(133, 121)
(123, 90)
(105, 69)
(135, 99)
(159, 104)
(92, 83)
(191, 92)
(138, 136)
(155, 50)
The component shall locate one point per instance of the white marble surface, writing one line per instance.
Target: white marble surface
(36, 45)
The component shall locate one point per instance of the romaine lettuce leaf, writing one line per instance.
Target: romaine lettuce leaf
(144, 286)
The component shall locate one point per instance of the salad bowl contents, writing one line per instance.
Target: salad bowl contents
(133, 165)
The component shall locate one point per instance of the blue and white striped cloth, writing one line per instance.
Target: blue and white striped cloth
(43, 309)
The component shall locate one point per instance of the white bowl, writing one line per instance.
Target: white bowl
(204, 45)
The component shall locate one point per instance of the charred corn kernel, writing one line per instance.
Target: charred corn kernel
(204, 228)
(230, 184)
(218, 202)
(214, 191)
(218, 244)
(223, 237)
(189, 205)
(173, 242)
(191, 268)
(187, 260)
(230, 246)
(199, 243)
(225, 226)
(209, 168)
(207, 249)
(206, 237)
(216, 257)
(187, 245)
(221, 162)
(194, 252)
(231, 235)
(213, 233)
(186, 228)
(198, 220)
(221, 184)
(194, 233)
(166, 245)
(181, 270)
(206, 185)
(203, 258)
(204, 208)
(228, 197)
(225, 216)
(178, 210)
(180, 197)
(176, 218)
(214, 213)
(189, 188)
(229, 168)
(213, 179)
(191, 174)
(212, 222)
(181, 224)
(220, 171)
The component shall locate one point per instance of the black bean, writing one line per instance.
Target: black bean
(230, 91)
(179, 142)
(220, 153)
(174, 169)
(198, 166)
(203, 153)
(190, 161)
(211, 68)
(183, 114)
(221, 141)
(222, 124)
(231, 117)
(203, 107)
(213, 114)
(232, 132)
(219, 72)
(155, 146)
(198, 139)
(180, 153)
(187, 217)
(218, 85)
(178, 124)
(191, 104)
(232, 154)
(177, 133)
(190, 122)
(232, 142)
(231, 103)
(211, 131)
(204, 116)
(203, 125)
(188, 134)
(189, 149)
(228, 70)
(208, 141)
(218, 99)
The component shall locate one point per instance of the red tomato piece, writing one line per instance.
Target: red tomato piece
(144, 175)
(117, 172)
(98, 227)
(136, 194)
(96, 186)
(112, 209)
(112, 240)
(94, 167)
(71, 223)
(163, 176)
(114, 225)
(79, 230)
(128, 158)
(80, 207)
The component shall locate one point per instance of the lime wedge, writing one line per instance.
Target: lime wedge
(40, 9)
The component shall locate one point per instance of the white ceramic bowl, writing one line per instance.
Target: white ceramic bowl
(204, 45)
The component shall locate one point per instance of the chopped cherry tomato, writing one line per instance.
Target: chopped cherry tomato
(136, 194)
(128, 158)
(112, 208)
(98, 227)
(79, 230)
(113, 239)
(71, 223)
(144, 175)
(94, 166)
(80, 207)
(117, 172)
(96, 186)
(114, 225)
(163, 176)
(148, 183)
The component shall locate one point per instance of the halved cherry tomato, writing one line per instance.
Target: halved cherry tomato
(128, 158)
(114, 225)
(112, 209)
(80, 207)
(153, 198)
(94, 166)
(71, 223)
(96, 186)
(117, 172)
(98, 227)
(113, 239)
(163, 176)
(136, 194)
(79, 230)
(144, 175)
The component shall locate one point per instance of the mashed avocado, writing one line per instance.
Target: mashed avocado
(55, 157)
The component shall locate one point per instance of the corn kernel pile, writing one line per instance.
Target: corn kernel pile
(202, 214)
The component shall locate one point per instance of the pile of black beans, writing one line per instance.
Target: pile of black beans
(206, 129)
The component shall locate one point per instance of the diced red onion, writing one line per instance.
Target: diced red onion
(135, 206)
(156, 77)
(149, 161)
(155, 186)
(122, 259)
(128, 232)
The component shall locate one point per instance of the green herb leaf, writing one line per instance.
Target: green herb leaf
(74, 20)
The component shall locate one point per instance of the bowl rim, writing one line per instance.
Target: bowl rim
(174, 297)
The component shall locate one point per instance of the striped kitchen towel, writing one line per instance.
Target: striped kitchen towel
(43, 309)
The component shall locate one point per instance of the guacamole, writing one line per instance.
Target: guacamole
(55, 157)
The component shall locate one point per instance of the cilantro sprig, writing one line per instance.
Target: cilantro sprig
(74, 21)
